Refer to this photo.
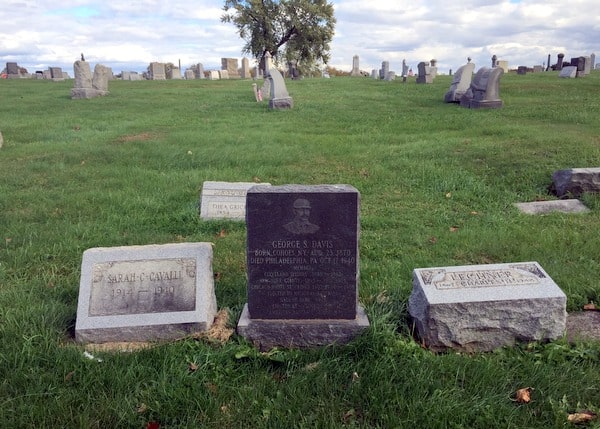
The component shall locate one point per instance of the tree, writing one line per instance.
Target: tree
(299, 30)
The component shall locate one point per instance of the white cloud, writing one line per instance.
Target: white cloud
(130, 34)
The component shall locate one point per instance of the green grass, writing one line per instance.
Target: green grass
(437, 184)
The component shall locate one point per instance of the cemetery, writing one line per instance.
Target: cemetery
(180, 252)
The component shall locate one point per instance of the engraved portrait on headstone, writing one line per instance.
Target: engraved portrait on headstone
(301, 224)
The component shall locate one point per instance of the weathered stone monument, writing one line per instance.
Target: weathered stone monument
(559, 62)
(404, 70)
(174, 73)
(424, 75)
(157, 71)
(279, 97)
(12, 70)
(522, 70)
(544, 207)
(503, 64)
(231, 66)
(225, 200)
(568, 72)
(355, 66)
(245, 74)
(574, 182)
(384, 70)
(199, 71)
(579, 62)
(482, 307)
(460, 83)
(484, 91)
(56, 74)
(86, 85)
(144, 293)
(302, 262)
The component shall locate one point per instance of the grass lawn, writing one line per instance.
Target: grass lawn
(437, 185)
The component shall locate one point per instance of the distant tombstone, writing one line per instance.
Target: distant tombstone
(385, 68)
(125, 75)
(174, 73)
(460, 83)
(579, 62)
(424, 75)
(280, 99)
(12, 68)
(592, 61)
(145, 293)
(559, 62)
(214, 75)
(576, 181)
(225, 200)
(293, 70)
(522, 70)
(503, 65)
(538, 69)
(391, 75)
(56, 74)
(479, 308)
(199, 71)
(302, 262)
(494, 60)
(375, 74)
(189, 74)
(102, 74)
(223, 74)
(46, 74)
(86, 85)
(404, 69)
(82, 74)
(568, 72)
(230, 65)
(588, 65)
(433, 68)
(134, 76)
(484, 91)
(157, 71)
(355, 66)
(245, 68)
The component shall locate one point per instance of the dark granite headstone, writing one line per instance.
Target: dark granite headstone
(302, 252)
(302, 262)
(12, 68)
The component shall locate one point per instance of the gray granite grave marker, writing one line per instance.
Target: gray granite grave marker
(483, 307)
(225, 200)
(545, 207)
(568, 72)
(460, 83)
(576, 181)
(302, 261)
(142, 293)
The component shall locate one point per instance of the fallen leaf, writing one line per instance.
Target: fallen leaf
(256, 179)
(355, 377)
(364, 172)
(582, 417)
(433, 240)
(590, 307)
(523, 396)
(69, 376)
(449, 195)
(212, 388)
(8, 240)
(153, 425)
(311, 366)
(453, 228)
(222, 234)
(189, 152)
(474, 213)
(82, 163)
(217, 275)
(142, 408)
(224, 409)
(193, 367)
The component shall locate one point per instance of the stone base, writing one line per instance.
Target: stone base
(481, 104)
(79, 93)
(575, 181)
(300, 333)
(281, 103)
(480, 308)
(139, 333)
(544, 207)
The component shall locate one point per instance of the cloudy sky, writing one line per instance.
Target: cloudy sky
(129, 34)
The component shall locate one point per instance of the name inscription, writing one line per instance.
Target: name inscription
(512, 276)
(143, 286)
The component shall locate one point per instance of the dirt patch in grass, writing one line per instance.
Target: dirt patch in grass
(140, 137)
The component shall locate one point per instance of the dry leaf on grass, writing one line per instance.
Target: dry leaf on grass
(582, 417)
(590, 307)
(453, 228)
(218, 332)
(523, 396)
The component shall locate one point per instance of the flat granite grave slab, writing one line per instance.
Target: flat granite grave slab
(544, 207)
(477, 308)
(225, 200)
(302, 263)
(145, 293)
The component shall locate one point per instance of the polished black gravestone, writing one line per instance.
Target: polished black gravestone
(302, 262)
